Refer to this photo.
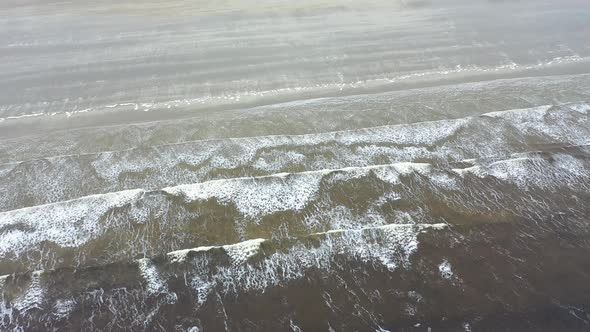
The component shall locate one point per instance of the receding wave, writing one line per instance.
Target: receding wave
(337, 113)
(240, 99)
(446, 141)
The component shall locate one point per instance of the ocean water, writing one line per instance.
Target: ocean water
(321, 165)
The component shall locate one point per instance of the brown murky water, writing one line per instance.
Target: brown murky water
(312, 166)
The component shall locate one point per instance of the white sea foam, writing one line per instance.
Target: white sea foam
(445, 270)
(7, 168)
(388, 247)
(520, 115)
(68, 224)
(579, 107)
(254, 198)
(63, 308)
(239, 252)
(33, 296)
(154, 282)
(233, 153)
(7, 313)
(530, 171)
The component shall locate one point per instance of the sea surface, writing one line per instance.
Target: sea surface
(313, 165)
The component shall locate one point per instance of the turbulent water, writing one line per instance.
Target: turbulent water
(319, 165)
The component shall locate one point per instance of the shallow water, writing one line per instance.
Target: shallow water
(322, 165)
